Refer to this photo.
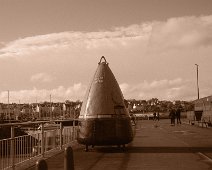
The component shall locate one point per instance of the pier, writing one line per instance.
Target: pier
(156, 145)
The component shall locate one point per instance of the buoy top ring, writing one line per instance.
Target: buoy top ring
(103, 58)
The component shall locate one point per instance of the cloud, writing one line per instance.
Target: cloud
(183, 32)
(2, 44)
(155, 52)
(58, 94)
(162, 89)
(175, 89)
(41, 77)
(73, 40)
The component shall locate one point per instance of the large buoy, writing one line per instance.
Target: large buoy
(104, 118)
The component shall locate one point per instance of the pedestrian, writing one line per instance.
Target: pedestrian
(178, 115)
(133, 119)
(158, 116)
(172, 116)
(154, 116)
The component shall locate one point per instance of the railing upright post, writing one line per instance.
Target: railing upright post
(74, 129)
(42, 140)
(12, 147)
(61, 135)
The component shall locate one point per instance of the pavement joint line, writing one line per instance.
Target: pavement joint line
(208, 159)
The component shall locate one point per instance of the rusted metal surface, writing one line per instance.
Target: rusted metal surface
(103, 95)
(104, 117)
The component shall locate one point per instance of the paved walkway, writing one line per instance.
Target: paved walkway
(156, 145)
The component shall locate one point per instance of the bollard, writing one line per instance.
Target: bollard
(41, 165)
(68, 159)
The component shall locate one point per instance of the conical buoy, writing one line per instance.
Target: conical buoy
(104, 119)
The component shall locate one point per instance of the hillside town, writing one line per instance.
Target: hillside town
(155, 104)
(71, 109)
(39, 111)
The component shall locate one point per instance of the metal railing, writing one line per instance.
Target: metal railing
(36, 143)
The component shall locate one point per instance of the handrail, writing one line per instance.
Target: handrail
(18, 149)
(35, 122)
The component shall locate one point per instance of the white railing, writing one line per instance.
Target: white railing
(18, 149)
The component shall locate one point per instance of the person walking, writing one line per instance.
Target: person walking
(133, 119)
(154, 116)
(172, 116)
(158, 116)
(178, 115)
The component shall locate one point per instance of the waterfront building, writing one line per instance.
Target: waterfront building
(203, 109)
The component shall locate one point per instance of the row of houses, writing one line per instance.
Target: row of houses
(39, 111)
(202, 109)
(154, 104)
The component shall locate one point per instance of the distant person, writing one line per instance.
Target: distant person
(154, 116)
(132, 116)
(158, 116)
(172, 116)
(178, 115)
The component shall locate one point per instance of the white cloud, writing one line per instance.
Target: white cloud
(2, 44)
(182, 32)
(162, 89)
(41, 77)
(155, 52)
(72, 40)
(176, 89)
(175, 33)
(124, 87)
(75, 92)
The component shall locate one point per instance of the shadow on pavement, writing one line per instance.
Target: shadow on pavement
(169, 149)
(154, 149)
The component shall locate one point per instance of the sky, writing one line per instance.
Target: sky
(52, 48)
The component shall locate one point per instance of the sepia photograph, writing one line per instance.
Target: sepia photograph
(105, 84)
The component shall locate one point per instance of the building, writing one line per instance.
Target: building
(203, 109)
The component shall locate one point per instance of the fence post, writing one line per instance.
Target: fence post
(41, 165)
(61, 135)
(42, 140)
(74, 129)
(68, 159)
(12, 147)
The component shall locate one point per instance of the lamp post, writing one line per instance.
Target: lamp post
(197, 66)
(8, 103)
(51, 107)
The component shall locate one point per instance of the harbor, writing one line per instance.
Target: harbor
(105, 85)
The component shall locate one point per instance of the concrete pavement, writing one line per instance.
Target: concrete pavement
(156, 145)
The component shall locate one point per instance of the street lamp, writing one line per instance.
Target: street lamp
(50, 107)
(197, 66)
(8, 104)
